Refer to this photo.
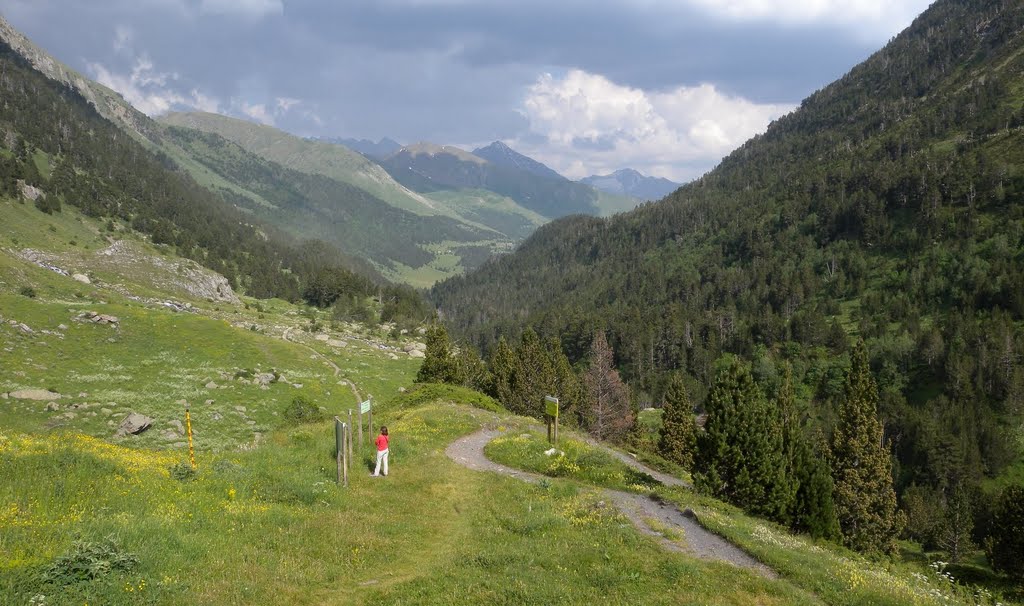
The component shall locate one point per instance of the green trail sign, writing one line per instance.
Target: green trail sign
(364, 407)
(551, 405)
(551, 408)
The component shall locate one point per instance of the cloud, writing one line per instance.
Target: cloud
(256, 111)
(245, 8)
(864, 18)
(602, 126)
(148, 90)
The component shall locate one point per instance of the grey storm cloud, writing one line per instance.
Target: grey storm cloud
(449, 71)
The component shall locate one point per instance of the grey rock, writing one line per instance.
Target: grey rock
(50, 406)
(34, 394)
(417, 354)
(134, 424)
(211, 385)
(84, 279)
(178, 427)
(240, 408)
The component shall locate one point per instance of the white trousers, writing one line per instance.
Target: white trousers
(382, 457)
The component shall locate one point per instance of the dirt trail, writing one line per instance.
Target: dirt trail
(698, 541)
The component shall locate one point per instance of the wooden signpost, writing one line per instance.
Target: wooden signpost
(341, 437)
(366, 407)
(349, 433)
(551, 411)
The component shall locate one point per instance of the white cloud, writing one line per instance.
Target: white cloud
(246, 8)
(148, 90)
(256, 111)
(602, 126)
(285, 104)
(866, 18)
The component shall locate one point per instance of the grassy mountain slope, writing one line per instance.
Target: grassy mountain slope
(889, 207)
(429, 168)
(305, 156)
(316, 206)
(455, 231)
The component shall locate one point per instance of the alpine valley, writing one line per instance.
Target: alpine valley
(797, 379)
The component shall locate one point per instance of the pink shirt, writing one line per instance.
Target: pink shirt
(382, 442)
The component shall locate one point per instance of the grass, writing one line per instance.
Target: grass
(574, 460)
(271, 522)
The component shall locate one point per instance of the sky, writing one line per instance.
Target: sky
(666, 87)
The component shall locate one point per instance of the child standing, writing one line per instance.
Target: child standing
(382, 451)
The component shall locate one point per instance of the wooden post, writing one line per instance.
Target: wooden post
(188, 426)
(344, 452)
(371, 421)
(556, 430)
(360, 426)
(349, 432)
(338, 438)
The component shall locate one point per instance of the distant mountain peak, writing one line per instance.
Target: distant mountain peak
(433, 149)
(632, 183)
(501, 154)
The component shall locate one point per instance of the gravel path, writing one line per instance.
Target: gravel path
(698, 541)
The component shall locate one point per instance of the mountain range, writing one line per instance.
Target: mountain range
(628, 182)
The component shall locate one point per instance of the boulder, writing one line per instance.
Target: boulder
(322, 337)
(177, 426)
(417, 354)
(263, 379)
(211, 385)
(337, 343)
(34, 394)
(50, 406)
(134, 424)
(84, 279)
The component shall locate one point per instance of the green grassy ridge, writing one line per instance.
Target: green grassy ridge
(306, 156)
(832, 573)
(271, 522)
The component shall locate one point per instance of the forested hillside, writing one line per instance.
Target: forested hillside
(54, 140)
(889, 207)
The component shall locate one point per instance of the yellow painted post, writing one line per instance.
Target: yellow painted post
(188, 429)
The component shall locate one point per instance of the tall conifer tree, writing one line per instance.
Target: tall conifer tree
(740, 451)
(678, 440)
(864, 495)
(610, 415)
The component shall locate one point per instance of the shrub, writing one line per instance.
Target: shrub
(183, 472)
(28, 291)
(303, 410)
(87, 560)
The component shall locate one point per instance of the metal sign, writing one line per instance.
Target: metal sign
(551, 405)
(364, 407)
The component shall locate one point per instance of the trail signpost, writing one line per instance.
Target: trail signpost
(551, 412)
(341, 437)
(366, 407)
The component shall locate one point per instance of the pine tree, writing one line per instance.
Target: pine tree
(610, 416)
(440, 365)
(504, 366)
(954, 533)
(534, 377)
(678, 440)
(1006, 543)
(861, 467)
(740, 452)
(568, 388)
(814, 510)
(793, 445)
